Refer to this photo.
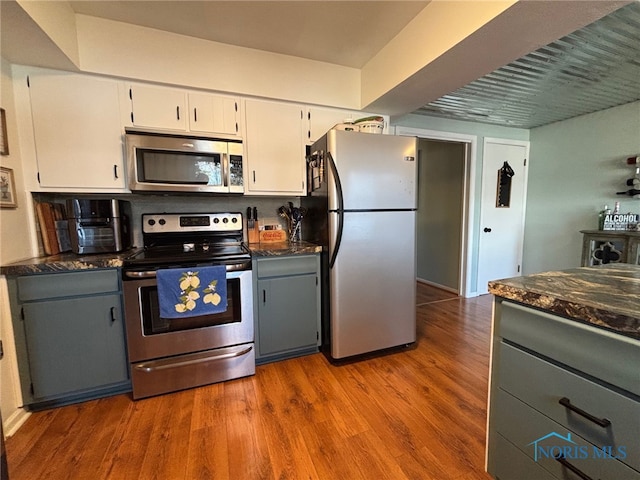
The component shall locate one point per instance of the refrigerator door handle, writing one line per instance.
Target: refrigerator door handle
(338, 238)
(336, 181)
(339, 211)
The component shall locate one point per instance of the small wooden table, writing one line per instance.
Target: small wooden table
(600, 247)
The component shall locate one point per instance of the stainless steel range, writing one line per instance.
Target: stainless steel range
(169, 354)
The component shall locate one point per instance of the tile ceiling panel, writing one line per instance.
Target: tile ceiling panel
(591, 69)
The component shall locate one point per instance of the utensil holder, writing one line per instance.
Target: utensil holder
(295, 233)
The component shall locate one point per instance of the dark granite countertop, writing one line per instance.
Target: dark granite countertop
(284, 248)
(66, 262)
(606, 296)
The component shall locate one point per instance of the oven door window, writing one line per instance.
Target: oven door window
(180, 168)
(153, 324)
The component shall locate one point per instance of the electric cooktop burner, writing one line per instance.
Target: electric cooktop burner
(191, 238)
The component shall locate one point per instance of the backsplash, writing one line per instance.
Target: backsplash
(153, 203)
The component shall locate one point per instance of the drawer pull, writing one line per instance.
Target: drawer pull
(563, 461)
(603, 422)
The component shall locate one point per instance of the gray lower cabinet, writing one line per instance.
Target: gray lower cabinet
(287, 306)
(564, 399)
(69, 336)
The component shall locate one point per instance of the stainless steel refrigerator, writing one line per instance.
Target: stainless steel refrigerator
(361, 207)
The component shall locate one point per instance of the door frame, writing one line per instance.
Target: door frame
(468, 203)
(516, 143)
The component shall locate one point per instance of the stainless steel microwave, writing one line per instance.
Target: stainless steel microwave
(183, 163)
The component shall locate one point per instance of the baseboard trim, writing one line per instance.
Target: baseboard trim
(15, 421)
(437, 285)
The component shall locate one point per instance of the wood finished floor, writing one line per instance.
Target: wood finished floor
(415, 415)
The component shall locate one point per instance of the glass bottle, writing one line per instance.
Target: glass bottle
(601, 216)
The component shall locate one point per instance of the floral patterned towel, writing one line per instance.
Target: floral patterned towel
(189, 293)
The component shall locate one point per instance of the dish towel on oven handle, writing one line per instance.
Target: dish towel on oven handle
(191, 292)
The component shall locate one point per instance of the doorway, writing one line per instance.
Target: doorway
(441, 206)
(464, 285)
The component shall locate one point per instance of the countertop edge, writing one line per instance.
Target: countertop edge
(69, 262)
(551, 292)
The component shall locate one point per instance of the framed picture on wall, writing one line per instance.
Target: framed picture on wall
(7, 189)
(4, 142)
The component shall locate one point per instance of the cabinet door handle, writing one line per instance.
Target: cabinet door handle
(113, 314)
(195, 114)
(264, 296)
(602, 422)
(178, 112)
(563, 461)
(115, 171)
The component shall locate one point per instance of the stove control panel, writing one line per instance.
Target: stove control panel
(191, 222)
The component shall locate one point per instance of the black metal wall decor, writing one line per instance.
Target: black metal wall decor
(503, 197)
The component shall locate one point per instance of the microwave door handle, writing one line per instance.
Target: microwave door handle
(226, 171)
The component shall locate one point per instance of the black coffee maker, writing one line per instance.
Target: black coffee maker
(98, 226)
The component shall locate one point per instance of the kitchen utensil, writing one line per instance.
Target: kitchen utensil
(249, 218)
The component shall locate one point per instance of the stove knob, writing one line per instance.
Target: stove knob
(234, 220)
(162, 221)
(216, 220)
(225, 220)
(151, 222)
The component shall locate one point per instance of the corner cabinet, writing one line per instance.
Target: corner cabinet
(69, 336)
(287, 306)
(556, 410)
(77, 130)
(275, 148)
(600, 247)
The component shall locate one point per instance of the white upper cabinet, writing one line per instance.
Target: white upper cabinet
(158, 107)
(275, 148)
(77, 131)
(214, 114)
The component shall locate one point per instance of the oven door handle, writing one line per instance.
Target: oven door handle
(169, 363)
(147, 274)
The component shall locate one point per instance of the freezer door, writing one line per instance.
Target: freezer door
(376, 171)
(373, 283)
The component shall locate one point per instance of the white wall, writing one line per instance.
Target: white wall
(122, 50)
(15, 244)
(577, 166)
(14, 230)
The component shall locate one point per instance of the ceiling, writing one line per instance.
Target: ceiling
(591, 69)
(327, 31)
(594, 68)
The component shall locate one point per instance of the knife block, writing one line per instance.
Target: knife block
(253, 234)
